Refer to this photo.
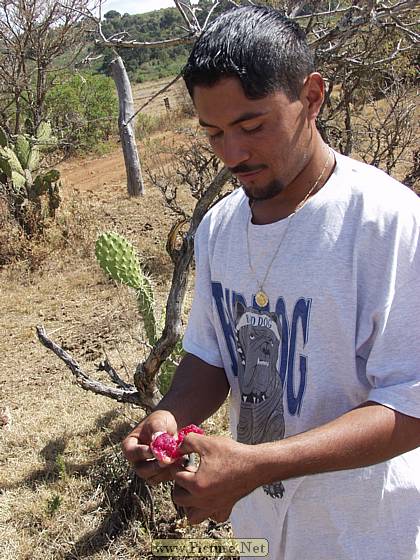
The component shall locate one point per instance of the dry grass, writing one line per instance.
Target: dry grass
(63, 482)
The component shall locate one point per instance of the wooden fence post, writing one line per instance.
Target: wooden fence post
(126, 124)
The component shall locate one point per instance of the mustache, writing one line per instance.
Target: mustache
(245, 168)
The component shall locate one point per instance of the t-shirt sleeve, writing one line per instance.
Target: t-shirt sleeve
(393, 350)
(393, 367)
(200, 337)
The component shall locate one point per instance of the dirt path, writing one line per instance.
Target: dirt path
(100, 174)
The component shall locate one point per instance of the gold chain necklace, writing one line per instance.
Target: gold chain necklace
(261, 297)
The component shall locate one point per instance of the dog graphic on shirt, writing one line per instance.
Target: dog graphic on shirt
(261, 417)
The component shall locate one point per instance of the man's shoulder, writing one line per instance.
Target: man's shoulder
(229, 203)
(225, 209)
(375, 189)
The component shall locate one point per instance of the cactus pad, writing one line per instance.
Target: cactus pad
(117, 257)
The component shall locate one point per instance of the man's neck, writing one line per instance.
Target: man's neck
(312, 178)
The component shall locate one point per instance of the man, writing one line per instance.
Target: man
(306, 309)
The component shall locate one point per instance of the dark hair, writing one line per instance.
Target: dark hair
(258, 45)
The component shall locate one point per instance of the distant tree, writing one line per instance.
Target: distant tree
(161, 24)
(112, 14)
(82, 109)
(36, 38)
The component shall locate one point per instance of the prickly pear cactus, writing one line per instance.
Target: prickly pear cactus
(4, 140)
(117, 257)
(21, 177)
(23, 150)
(11, 167)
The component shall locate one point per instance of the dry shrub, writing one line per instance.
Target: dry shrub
(13, 242)
(15, 245)
(186, 107)
(74, 226)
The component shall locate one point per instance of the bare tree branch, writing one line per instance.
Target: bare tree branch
(356, 17)
(215, 5)
(147, 371)
(120, 395)
(112, 42)
(107, 367)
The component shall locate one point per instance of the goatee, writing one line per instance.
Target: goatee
(265, 193)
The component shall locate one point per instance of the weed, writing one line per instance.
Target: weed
(61, 467)
(53, 504)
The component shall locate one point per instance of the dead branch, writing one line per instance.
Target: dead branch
(354, 18)
(185, 40)
(126, 128)
(115, 378)
(120, 395)
(145, 392)
(412, 177)
(146, 372)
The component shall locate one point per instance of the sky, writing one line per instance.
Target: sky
(135, 6)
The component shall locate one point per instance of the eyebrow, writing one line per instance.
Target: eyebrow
(244, 117)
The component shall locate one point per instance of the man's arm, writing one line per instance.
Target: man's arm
(369, 434)
(198, 389)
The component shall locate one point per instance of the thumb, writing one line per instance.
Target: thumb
(192, 443)
(185, 478)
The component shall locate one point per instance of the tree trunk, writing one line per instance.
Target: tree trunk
(128, 139)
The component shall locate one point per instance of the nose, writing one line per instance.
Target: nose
(233, 151)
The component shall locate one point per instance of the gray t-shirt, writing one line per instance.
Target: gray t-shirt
(342, 326)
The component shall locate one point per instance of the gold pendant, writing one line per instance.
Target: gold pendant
(261, 298)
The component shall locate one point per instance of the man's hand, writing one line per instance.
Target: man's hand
(196, 516)
(225, 475)
(137, 451)
(198, 389)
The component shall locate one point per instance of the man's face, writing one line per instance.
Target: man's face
(264, 142)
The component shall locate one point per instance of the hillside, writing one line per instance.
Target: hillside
(154, 63)
(149, 63)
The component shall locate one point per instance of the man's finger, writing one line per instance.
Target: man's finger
(157, 471)
(135, 451)
(180, 466)
(221, 515)
(196, 515)
(192, 443)
(182, 497)
(146, 469)
(163, 476)
(149, 469)
(186, 478)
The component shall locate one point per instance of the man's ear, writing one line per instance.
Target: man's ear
(312, 94)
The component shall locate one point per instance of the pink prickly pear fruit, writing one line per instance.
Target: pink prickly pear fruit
(187, 430)
(165, 447)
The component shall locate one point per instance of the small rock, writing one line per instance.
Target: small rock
(5, 418)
